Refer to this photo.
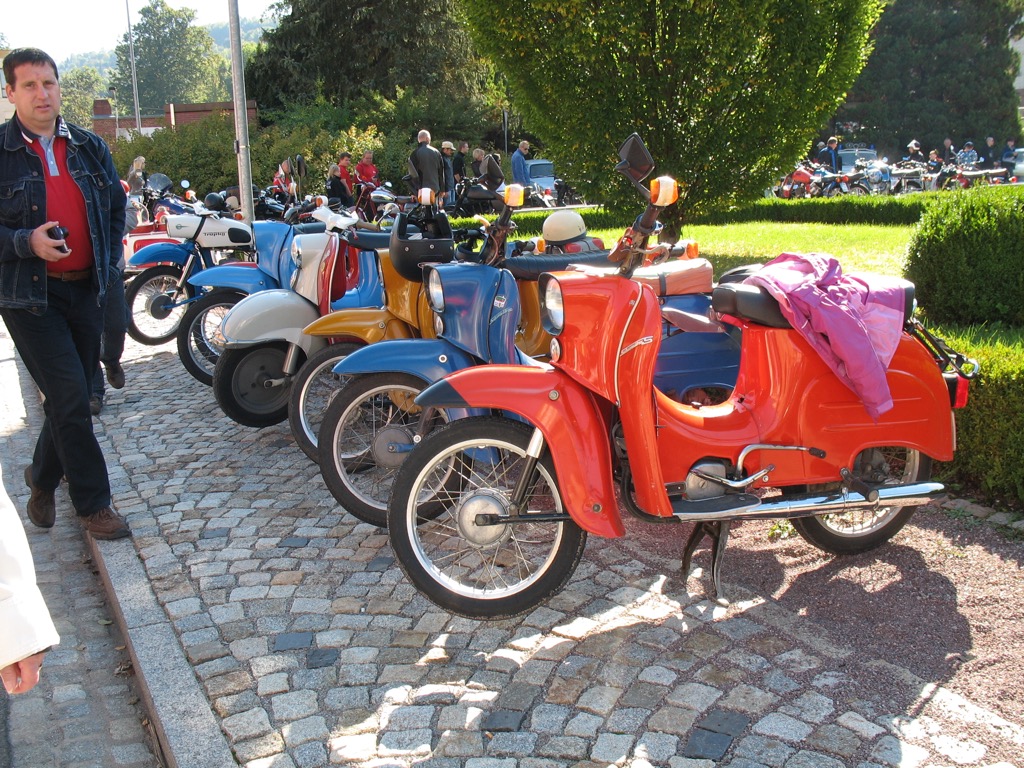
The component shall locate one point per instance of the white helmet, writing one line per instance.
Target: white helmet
(563, 227)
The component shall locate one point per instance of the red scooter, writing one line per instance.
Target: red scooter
(489, 515)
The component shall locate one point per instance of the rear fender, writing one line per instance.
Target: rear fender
(274, 315)
(570, 419)
(241, 277)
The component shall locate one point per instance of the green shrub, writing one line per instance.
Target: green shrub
(990, 430)
(967, 257)
(846, 209)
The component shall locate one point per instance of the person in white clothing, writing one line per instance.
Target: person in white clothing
(26, 629)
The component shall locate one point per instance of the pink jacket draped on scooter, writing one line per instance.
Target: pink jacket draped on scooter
(853, 321)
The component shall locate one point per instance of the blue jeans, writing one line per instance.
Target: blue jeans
(115, 326)
(60, 346)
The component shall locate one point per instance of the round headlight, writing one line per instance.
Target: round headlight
(435, 291)
(297, 250)
(552, 311)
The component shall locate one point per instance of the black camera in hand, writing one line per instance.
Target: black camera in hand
(59, 233)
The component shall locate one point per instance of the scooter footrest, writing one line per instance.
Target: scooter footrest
(717, 507)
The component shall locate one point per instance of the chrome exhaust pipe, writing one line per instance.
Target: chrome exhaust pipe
(811, 504)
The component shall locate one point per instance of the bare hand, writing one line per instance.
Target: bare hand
(22, 676)
(44, 246)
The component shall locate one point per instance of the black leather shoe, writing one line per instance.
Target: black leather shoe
(95, 405)
(115, 375)
(42, 509)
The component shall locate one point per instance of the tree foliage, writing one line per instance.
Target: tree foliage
(724, 92)
(939, 69)
(174, 61)
(79, 88)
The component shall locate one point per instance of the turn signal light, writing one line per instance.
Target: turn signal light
(664, 191)
(515, 195)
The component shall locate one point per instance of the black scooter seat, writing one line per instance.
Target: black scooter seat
(532, 267)
(754, 303)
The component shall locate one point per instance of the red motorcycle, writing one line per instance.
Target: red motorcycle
(489, 515)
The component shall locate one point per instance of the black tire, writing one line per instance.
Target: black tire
(239, 384)
(147, 296)
(312, 390)
(368, 417)
(200, 341)
(859, 531)
(480, 571)
(859, 190)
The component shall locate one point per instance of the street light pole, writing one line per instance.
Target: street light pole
(113, 98)
(131, 56)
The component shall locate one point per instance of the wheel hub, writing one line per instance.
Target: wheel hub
(483, 502)
(160, 305)
(391, 446)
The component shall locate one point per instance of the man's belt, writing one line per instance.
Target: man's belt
(68, 277)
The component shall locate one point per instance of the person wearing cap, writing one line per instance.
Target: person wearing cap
(60, 242)
(829, 156)
(914, 152)
(447, 150)
(520, 173)
(967, 155)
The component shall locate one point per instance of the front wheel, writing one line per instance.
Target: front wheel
(200, 341)
(444, 522)
(367, 432)
(312, 390)
(251, 385)
(850, 533)
(156, 304)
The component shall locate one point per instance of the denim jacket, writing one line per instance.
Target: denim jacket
(23, 208)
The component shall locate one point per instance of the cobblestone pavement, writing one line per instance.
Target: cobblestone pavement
(310, 649)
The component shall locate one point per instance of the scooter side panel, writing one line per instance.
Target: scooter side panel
(361, 324)
(241, 277)
(160, 253)
(271, 316)
(570, 419)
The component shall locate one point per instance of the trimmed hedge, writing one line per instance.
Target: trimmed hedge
(846, 209)
(529, 224)
(967, 257)
(990, 430)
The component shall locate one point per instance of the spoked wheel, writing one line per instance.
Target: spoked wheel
(366, 434)
(849, 533)
(446, 490)
(312, 390)
(200, 341)
(251, 386)
(156, 304)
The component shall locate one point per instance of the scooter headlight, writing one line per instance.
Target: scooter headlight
(435, 290)
(552, 311)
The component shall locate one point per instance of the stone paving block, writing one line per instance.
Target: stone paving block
(290, 641)
(612, 747)
(780, 726)
(707, 744)
(723, 721)
(503, 720)
(305, 730)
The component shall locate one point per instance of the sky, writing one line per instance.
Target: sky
(98, 25)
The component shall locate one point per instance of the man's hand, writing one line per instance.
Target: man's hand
(22, 676)
(44, 246)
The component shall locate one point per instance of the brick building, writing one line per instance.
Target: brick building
(106, 123)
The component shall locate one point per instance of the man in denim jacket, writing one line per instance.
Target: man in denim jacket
(53, 281)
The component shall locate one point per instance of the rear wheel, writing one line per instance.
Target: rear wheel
(857, 531)
(156, 304)
(366, 434)
(312, 390)
(250, 384)
(200, 341)
(453, 555)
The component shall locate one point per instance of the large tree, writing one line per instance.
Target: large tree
(78, 89)
(346, 49)
(173, 60)
(938, 69)
(723, 91)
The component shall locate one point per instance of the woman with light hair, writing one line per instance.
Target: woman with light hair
(137, 175)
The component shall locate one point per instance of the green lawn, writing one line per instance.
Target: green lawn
(858, 247)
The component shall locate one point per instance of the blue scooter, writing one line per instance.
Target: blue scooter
(372, 421)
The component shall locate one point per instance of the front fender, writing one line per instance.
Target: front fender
(365, 324)
(570, 419)
(271, 316)
(428, 359)
(248, 279)
(160, 253)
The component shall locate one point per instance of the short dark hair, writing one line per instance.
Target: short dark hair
(20, 56)
(343, 155)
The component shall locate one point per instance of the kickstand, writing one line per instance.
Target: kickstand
(718, 532)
